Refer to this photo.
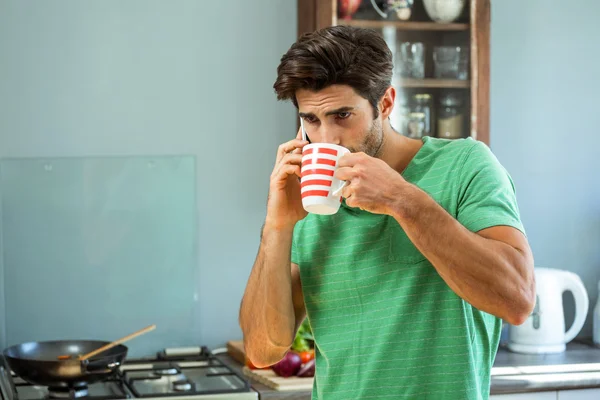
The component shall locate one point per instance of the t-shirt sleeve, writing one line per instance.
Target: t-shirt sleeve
(487, 195)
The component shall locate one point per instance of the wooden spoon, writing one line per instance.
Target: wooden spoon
(110, 345)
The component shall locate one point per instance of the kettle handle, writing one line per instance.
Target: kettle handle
(573, 283)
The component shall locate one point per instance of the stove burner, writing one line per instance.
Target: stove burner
(183, 378)
(67, 393)
(165, 370)
(184, 385)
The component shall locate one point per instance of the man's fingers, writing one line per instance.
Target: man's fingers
(344, 173)
(350, 159)
(288, 159)
(346, 194)
(289, 147)
(292, 158)
(287, 170)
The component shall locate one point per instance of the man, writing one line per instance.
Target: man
(405, 287)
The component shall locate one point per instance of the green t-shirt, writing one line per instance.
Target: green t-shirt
(386, 325)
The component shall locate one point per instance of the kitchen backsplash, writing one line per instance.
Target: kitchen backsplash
(100, 247)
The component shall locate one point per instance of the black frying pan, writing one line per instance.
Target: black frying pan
(38, 363)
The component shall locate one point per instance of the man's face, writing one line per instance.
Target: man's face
(338, 115)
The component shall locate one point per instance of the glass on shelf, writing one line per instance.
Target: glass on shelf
(410, 60)
(451, 62)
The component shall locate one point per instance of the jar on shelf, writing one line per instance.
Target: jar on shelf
(423, 103)
(415, 125)
(451, 117)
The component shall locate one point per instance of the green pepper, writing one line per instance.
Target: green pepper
(304, 337)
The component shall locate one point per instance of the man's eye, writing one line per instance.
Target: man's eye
(343, 115)
(310, 120)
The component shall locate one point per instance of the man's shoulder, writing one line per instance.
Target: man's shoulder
(442, 147)
(440, 160)
(457, 155)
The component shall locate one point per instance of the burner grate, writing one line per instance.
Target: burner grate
(111, 389)
(191, 380)
(67, 393)
(177, 374)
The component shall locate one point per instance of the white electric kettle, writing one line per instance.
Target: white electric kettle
(544, 330)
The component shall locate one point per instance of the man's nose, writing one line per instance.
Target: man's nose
(329, 135)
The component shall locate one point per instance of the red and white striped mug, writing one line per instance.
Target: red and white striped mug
(321, 192)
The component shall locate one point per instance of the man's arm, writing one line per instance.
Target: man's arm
(273, 306)
(492, 269)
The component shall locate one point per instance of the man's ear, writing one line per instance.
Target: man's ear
(386, 104)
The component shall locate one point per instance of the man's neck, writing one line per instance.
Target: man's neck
(397, 150)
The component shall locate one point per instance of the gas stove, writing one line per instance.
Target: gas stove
(174, 374)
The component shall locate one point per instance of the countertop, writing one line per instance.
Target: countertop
(576, 368)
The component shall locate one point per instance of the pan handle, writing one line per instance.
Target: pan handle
(99, 365)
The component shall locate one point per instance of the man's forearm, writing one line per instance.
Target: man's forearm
(267, 313)
(489, 274)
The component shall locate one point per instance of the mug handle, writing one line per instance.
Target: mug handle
(339, 190)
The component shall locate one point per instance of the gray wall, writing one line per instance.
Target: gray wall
(150, 77)
(545, 127)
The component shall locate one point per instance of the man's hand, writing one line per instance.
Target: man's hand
(284, 205)
(372, 185)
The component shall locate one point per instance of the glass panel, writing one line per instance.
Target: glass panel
(96, 248)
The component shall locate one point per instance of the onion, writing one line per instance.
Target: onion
(289, 365)
(307, 369)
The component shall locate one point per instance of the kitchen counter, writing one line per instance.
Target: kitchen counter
(577, 368)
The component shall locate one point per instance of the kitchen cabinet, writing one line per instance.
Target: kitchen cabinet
(470, 32)
(526, 396)
(582, 394)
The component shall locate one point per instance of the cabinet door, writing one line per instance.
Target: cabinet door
(525, 396)
(583, 394)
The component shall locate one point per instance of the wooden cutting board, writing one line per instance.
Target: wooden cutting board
(271, 379)
(267, 377)
(235, 348)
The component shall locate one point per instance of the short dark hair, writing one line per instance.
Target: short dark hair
(342, 55)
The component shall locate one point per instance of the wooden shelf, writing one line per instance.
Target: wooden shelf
(435, 83)
(404, 25)
(472, 31)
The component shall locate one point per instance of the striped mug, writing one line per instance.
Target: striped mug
(321, 192)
